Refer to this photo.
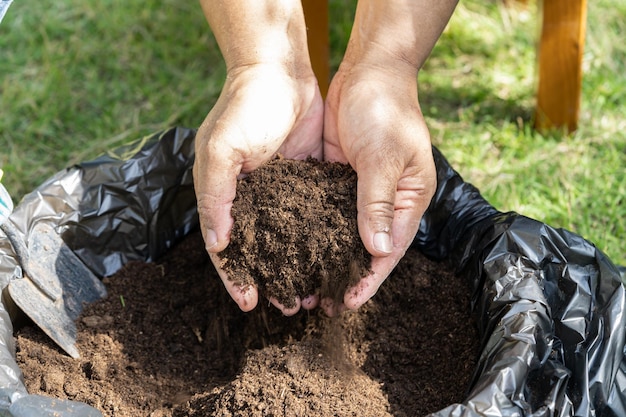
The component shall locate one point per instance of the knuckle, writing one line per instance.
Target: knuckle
(379, 215)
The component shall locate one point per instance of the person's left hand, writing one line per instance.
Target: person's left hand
(373, 122)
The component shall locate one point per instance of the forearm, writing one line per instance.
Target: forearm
(399, 33)
(251, 32)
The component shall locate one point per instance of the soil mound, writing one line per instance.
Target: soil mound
(169, 341)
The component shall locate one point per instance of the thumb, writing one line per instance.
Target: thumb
(376, 194)
(215, 182)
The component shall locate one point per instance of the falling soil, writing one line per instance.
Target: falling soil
(168, 341)
(302, 216)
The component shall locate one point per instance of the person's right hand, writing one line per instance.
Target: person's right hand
(262, 110)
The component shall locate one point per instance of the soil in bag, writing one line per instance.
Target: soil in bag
(169, 341)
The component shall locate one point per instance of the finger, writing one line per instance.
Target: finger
(367, 287)
(215, 180)
(328, 306)
(246, 296)
(310, 301)
(376, 193)
(331, 308)
(287, 311)
(394, 190)
(404, 228)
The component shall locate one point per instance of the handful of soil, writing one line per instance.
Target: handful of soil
(295, 231)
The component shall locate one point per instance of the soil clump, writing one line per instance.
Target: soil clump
(295, 231)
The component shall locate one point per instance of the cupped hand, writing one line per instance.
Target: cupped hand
(373, 122)
(262, 110)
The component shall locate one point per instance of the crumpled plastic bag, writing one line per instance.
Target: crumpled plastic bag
(550, 308)
(550, 305)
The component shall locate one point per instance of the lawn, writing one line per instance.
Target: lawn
(80, 77)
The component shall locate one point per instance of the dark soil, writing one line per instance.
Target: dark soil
(169, 341)
(295, 231)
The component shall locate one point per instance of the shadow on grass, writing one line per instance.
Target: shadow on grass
(476, 104)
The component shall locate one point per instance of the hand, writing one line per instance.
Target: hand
(373, 121)
(262, 110)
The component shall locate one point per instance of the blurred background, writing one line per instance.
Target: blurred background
(80, 77)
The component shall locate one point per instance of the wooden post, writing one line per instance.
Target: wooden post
(560, 64)
(523, 3)
(316, 16)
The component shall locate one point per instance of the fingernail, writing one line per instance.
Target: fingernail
(211, 238)
(382, 242)
(309, 302)
(247, 300)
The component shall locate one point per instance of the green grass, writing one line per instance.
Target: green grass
(79, 77)
(478, 92)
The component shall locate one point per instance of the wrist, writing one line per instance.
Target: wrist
(381, 65)
(272, 50)
(300, 77)
(388, 79)
(259, 32)
(401, 33)
(381, 36)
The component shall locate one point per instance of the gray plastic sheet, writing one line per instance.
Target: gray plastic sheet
(550, 305)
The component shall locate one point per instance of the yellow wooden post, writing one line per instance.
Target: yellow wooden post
(316, 16)
(560, 64)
